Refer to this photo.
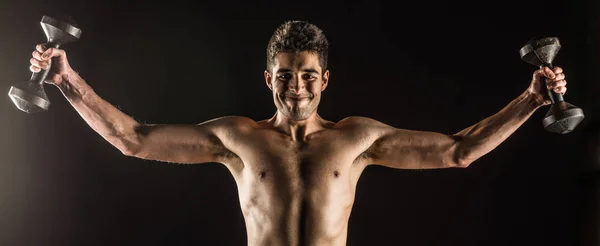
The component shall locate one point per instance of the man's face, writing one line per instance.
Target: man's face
(297, 81)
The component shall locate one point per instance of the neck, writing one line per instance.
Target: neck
(297, 129)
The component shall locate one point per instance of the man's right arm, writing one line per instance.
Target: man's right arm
(205, 142)
(170, 143)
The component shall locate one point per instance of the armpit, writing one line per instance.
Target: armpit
(222, 153)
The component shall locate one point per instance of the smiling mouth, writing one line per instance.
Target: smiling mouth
(295, 98)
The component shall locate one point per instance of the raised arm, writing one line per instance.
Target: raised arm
(205, 142)
(408, 149)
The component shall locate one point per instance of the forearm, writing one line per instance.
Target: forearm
(112, 124)
(481, 138)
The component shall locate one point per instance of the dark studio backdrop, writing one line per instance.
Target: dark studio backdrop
(417, 65)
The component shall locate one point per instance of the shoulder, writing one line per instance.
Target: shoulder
(358, 127)
(228, 125)
(231, 121)
(360, 123)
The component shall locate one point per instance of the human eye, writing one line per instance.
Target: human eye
(285, 76)
(308, 76)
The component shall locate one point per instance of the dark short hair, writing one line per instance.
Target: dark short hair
(298, 36)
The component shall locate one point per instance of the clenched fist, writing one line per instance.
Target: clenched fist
(545, 79)
(60, 69)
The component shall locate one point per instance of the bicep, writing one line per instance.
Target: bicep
(186, 144)
(410, 149)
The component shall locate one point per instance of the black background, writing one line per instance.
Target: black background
(437, 66)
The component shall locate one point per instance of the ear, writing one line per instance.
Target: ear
(325, 80)
(268, 80)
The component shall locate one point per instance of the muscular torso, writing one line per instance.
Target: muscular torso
(296, 192)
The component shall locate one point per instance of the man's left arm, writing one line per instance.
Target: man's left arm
(408, 149)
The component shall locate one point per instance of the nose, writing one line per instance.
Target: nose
(296, 84)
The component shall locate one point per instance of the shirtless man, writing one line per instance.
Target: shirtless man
(296, 172)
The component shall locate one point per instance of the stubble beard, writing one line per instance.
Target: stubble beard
(298, 113)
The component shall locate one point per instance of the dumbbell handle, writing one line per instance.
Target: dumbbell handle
(40, 77)
(554, 97)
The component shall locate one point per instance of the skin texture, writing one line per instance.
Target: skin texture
(296, 172)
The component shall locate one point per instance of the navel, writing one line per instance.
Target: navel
(336, 173)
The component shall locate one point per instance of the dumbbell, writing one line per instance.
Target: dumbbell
(562, 117)
(30, 97)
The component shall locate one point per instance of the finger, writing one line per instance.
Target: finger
(539, 74)
(34, 69)
(52, 52)
(40, 64)
(548, 73)
(561, 90)
(37, 55)
(557, 70)
(40, 47)
(559, 76)
(557, 83)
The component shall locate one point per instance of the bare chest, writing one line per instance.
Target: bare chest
(314, 172)
(309, 164)
(284, 185)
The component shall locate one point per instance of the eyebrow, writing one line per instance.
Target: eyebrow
(307, 70)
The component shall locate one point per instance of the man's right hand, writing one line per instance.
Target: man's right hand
(60, 69)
